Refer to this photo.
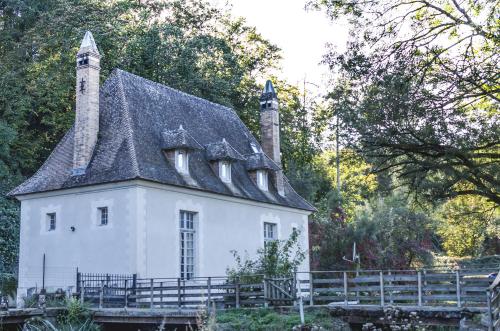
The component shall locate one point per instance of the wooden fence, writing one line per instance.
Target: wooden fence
(459, 288)
(493, 296)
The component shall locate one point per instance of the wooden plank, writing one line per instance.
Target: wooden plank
(328, 281)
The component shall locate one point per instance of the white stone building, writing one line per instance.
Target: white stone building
(153, 181)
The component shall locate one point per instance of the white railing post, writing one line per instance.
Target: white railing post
(311, 289)
(419, 284)
(382, 303)
(346, 299)
(459, 299)
(101, 295)
(151, 293)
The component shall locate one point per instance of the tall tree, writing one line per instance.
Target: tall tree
(419, 92)
(189, 45)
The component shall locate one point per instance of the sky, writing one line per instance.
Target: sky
(302, 36)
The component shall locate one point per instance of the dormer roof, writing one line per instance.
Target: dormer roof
(222, 151)
(178, 139)
(138, 118)
(260, 161)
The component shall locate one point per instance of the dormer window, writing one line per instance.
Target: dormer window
(262, 179)
(225, 171)
(181, 161)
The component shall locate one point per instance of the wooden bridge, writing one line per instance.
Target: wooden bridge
(436, 294)
(464, 288)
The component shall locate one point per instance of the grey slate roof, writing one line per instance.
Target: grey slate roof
(260, 161)
(134, 114)
(180, 138)
(222, 150)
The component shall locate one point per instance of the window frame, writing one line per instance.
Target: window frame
(51, 221)
(262, 178)
(226, 178)
(103, 211)
(187, 244)
(274, 231)
(182, 154)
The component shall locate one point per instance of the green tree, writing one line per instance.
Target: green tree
(188, 45)
(388, 232)
(469, 226)
(418, 92)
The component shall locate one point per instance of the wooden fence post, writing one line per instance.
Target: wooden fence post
(126, 293)
(265, 292)
(311, 289)
(237, 292)
(151, 293)
(391, 301)
(419, 284)
(209, 294)
(161, 294)
(179, 299)
(101, 295)
(490, 310)
(382, 303)
(346, 299)
(459, 299)
(82, 292)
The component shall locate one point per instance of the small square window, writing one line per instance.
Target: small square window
(103, 215)
(225, 171)
(51, 221)
(262, 179)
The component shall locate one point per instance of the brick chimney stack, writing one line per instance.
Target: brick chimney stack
(87, 103)
(270, 131)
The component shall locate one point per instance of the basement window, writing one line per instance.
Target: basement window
(262, 180)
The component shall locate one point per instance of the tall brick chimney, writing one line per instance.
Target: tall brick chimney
(87, 103)
(270, 131)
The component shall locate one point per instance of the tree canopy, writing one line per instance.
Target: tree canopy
(418, 92)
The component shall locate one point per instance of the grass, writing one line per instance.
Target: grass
(270, 320)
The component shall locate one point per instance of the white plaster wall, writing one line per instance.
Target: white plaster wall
(91, 248)
(223, 224)
(143, 232)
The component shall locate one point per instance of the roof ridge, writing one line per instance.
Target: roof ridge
(130, 131)
(176, 90)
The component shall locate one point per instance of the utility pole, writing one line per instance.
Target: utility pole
(337, 156)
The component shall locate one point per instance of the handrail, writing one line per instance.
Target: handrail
(496, 282)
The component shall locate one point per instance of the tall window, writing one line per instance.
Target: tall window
(103, 215)
(270, 232)
(187, 244)
(225, 171)
(51, 221)
(181, 161)
(262, 179)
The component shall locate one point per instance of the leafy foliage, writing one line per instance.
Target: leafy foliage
(388, 233)
(279, 258)
(188, 45)
(418, 92)
(469, 226)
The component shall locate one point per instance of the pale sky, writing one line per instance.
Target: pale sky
(300, 34)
